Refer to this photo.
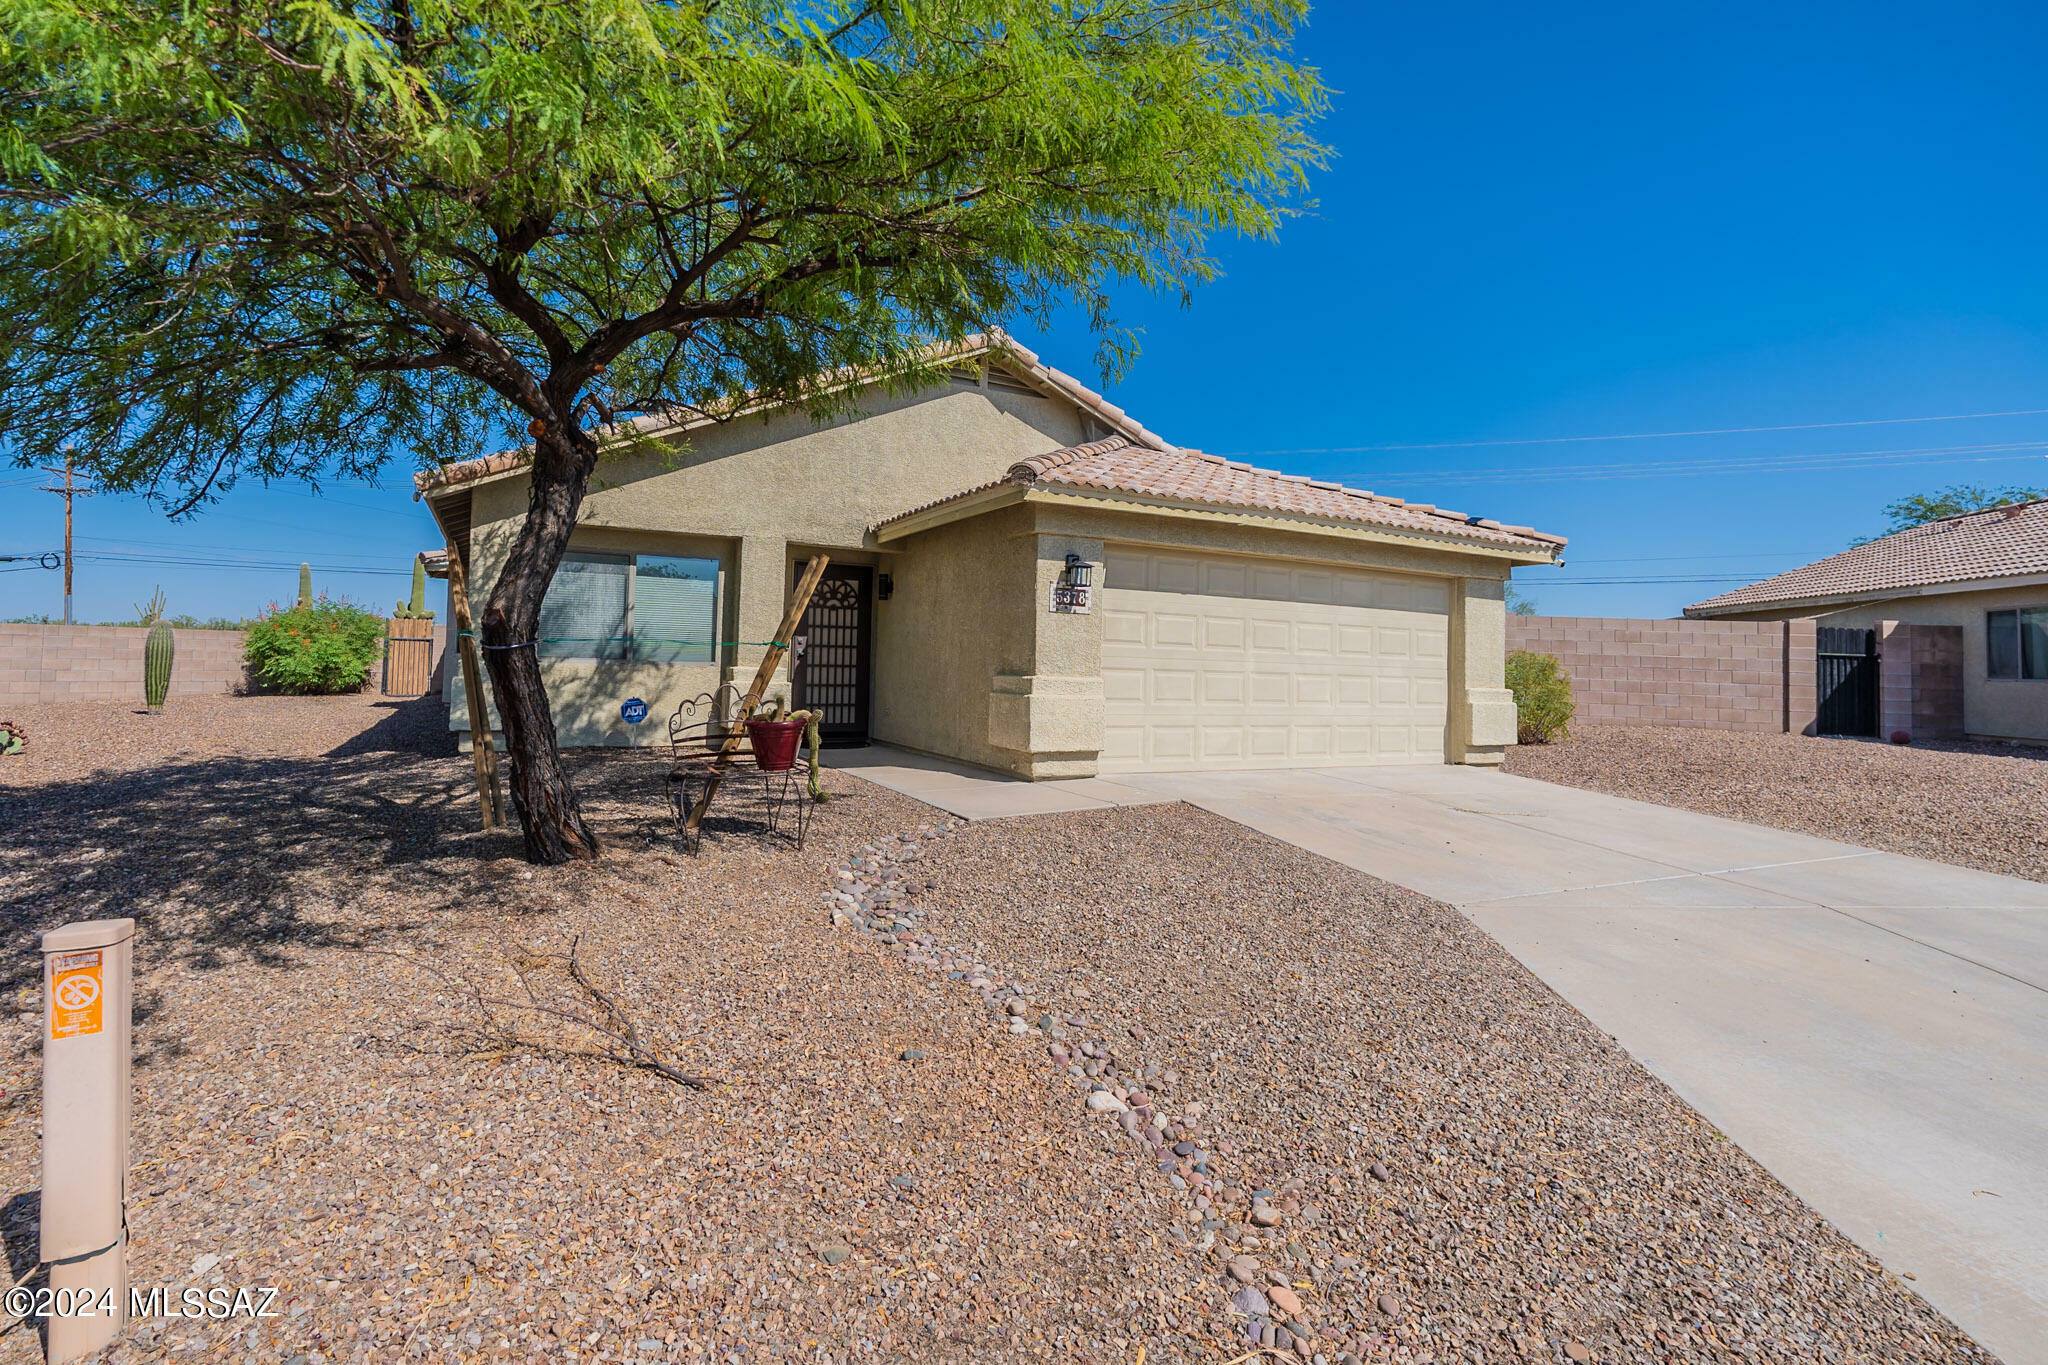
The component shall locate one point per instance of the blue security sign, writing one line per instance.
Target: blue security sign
(633, 710)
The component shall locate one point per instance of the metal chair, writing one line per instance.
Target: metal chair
(697, 730)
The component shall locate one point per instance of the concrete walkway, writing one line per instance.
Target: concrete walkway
(1870, 1027)
(978, 793)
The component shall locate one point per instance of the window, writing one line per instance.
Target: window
(675, 609)
(584, 614)
(648, 608)
(2016, 643)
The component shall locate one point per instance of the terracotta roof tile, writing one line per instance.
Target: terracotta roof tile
(2005, 542)
(1118, 465)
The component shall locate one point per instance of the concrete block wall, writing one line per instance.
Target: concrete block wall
(1920, 680)
(42, 664)
(1720, 675)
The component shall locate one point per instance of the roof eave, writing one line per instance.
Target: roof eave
(1708, 610)
(1270, 519)
(972, 503)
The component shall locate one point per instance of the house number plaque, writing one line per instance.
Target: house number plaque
(1070, 600)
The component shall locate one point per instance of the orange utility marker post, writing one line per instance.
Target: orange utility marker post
(763, 675)
(484, 751)
(86, 972)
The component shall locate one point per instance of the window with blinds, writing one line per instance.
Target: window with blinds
(675, 609)
(583, 615)
(648, 608)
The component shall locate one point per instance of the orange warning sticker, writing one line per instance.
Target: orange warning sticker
(75, 994)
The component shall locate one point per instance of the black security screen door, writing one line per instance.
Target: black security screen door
(830, 673)
(1848, 681)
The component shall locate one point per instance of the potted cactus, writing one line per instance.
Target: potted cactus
(775, 735)
(159, 652)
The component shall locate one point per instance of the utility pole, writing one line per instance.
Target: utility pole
(68, 492)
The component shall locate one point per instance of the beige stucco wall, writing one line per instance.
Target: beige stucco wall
(970, 668)
(955, 621)
(1996, 708)
(759, 494)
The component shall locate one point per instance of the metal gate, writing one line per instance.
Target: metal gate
(830, 672)
(1848, 681)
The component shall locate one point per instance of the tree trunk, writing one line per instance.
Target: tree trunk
(548, 812)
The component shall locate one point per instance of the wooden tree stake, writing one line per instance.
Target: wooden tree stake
(483, 744)
(765, 674)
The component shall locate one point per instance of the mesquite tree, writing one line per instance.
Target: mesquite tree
(284, 238)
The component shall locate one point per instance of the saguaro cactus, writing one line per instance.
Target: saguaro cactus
(416, 610)
(305, 585)
(159, 652)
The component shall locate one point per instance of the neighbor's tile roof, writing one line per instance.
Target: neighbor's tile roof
(1118, 465)
(995, 344)
(2005, 542)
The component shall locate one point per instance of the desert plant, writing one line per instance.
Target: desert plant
(324, 648)
(13, 737)
(305, 585)
(159, 652)
(416, 609)
(1543, 696)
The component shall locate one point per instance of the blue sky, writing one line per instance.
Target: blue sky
(1547, 223)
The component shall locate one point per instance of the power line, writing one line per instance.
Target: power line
(1546, 584)
(1787, 463)
(174, 561)
(176, 554)
(1639, 435)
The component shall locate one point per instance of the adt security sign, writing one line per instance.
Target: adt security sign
(633, 710)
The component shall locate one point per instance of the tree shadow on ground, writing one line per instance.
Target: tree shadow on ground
(236, 859)
(410, 725)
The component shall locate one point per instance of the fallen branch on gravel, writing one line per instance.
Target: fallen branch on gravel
(617, 1038)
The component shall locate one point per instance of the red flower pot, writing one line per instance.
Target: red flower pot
(775, 743)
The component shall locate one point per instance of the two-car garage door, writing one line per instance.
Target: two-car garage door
(1217, 661)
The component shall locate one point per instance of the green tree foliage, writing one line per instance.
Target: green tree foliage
(1954, 501)
(280, 238)
(1543, 696)
(1520, 603)
(325, 648)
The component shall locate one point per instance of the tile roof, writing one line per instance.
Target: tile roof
(995, 344)
(2005, 542)
(1119, 465)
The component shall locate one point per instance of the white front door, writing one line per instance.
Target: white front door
(1223, 661)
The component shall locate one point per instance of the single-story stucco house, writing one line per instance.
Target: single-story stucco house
(1022, 577)
(1983, 575)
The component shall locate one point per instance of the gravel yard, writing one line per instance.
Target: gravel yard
(1977, 805)
(1457, 1165)
(316, 1114)
(887, 1163)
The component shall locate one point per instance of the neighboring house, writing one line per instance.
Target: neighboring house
(1231, 617)
(1983, 574)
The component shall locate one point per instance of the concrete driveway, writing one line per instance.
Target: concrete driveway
(1872, 1028)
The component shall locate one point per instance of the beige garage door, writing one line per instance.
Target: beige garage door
(1214, 661)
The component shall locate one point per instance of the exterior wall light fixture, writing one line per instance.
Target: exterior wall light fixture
(1079, 572)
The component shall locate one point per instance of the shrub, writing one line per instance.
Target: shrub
(1543, 696)
(325, 647)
